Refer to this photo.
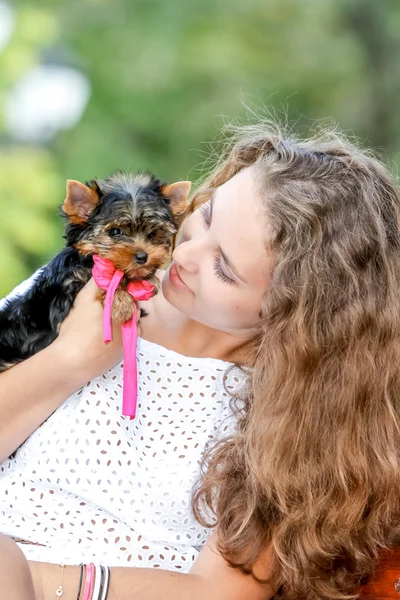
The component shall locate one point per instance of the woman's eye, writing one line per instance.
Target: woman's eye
(205, 213)
(219, 272)
(115, 231)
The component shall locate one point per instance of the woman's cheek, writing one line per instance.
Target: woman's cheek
(206, 293)
(215, 297)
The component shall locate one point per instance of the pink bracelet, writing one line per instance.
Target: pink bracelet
(89, 583)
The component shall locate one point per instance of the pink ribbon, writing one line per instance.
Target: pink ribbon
(108, 278)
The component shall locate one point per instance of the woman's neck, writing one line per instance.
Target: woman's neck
(195, 339)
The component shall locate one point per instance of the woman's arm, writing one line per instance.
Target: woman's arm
(30, 392)
(33, 389)
(210, 578)
(15, 577)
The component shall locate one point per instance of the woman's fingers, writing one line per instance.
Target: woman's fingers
(81, 334)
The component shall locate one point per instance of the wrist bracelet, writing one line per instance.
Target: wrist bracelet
(80, 582)
(102, 577)
(91, 586)
(106, 583)
(89, 583)
(97, 581)
(59, 591)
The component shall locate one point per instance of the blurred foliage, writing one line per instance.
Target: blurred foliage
(163, 72)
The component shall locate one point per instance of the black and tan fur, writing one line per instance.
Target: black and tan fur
(129, 219)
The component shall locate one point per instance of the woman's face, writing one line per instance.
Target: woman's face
(221, 268)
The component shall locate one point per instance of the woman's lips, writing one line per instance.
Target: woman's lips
(176, 279)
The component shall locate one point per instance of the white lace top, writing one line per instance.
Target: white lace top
(90, 484)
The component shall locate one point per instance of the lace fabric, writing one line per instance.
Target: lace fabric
(90, 484)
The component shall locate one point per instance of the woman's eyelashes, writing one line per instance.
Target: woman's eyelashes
(205, 211)
(219, 272)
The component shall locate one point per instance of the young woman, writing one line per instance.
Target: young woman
(285, 280)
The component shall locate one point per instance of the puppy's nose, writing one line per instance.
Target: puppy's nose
(141, 257)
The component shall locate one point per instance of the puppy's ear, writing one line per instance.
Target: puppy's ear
(79, 202)
(177, 195)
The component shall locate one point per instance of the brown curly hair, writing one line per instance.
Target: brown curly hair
(313, 470)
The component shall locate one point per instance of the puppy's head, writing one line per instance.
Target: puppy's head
(129, 219)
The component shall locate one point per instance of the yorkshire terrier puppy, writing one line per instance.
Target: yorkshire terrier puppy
(128, 219)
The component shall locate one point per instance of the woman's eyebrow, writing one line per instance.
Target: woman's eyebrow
(226, 259)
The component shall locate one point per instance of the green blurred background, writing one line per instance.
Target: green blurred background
(90, 86)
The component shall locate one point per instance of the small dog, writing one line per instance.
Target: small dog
(129, 219)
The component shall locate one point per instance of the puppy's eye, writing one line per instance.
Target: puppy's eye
(115, 231)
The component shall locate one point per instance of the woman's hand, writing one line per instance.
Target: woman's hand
(81, 336)
(33, 389)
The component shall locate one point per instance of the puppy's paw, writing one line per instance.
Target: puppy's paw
(101, 295)
(123, 306)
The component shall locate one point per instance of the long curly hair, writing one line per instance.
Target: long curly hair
(313, 469)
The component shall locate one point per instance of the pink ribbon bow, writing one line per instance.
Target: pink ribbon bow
(108, 278)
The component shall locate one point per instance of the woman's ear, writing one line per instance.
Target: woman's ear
(177, 194)
(79, 202)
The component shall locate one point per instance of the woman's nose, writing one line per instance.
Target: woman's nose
(185, 255)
